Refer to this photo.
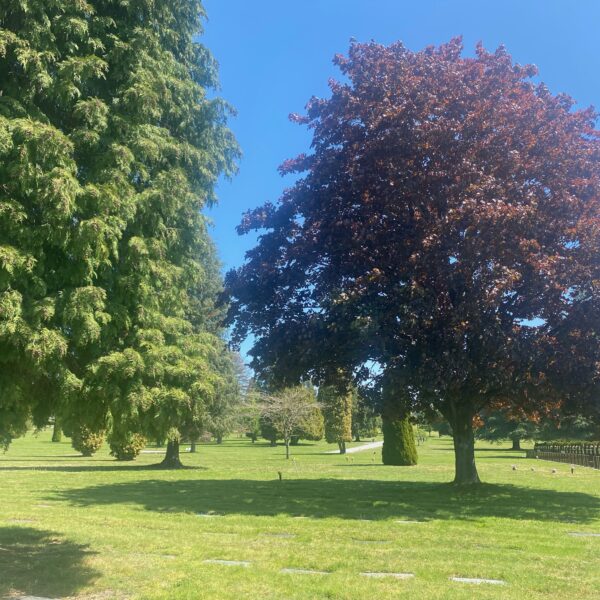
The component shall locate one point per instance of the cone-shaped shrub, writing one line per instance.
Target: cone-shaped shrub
(399, 446)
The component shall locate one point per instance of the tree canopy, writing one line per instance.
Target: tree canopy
(109, 150)
(444, 227)
(289, 413)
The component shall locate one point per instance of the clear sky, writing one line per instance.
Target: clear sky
(275, 54)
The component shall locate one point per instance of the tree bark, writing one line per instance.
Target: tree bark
(516, 444)
(193, 445)
(171, 460)
(342, 446)
(464, 446)
(56, 431)
(287, 449)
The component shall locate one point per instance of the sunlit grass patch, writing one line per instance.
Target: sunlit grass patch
(73, 526)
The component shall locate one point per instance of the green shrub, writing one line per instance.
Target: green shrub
(398, 442)
(86, 441)
(127, 446)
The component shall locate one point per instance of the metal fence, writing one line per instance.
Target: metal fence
(582, 454)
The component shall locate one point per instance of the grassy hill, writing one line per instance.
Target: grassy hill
(93, 528)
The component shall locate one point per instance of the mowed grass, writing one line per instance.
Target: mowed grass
(95, 528)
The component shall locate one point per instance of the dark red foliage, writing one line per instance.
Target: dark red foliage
(447, 203)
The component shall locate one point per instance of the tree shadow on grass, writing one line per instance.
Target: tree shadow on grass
(101, 468)
(342, 498)
(41, 563)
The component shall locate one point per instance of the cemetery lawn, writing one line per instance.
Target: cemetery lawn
(97, 529)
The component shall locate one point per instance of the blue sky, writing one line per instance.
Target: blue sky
(275, 54)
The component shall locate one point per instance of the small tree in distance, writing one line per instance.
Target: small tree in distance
(364, 419)
(288, 411)
(337, 410)
(499, 425)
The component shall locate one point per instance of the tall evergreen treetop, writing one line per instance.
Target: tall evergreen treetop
(109, 150)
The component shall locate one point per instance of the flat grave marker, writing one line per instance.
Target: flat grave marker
(385, 574)
(292, 571)
(478, 580)
(228, 563)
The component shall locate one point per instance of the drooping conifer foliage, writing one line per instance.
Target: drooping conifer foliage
(336, 405)
(109, 150)
(445, 226)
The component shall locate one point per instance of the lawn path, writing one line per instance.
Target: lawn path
(368, 446)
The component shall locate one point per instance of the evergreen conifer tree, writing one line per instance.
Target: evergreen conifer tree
(337, 411)
(109, 150)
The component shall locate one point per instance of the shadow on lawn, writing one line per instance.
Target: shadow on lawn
(95, 468)
(346, 499)
(40, 563)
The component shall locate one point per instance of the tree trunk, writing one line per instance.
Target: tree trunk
(171, 460)
(516, 444)
(219, 439)
(287, 449)
(464, 446)
(342, 446)
(357, 437)
(56, 431)
(193, 445)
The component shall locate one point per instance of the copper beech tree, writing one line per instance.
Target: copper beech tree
(445, 228)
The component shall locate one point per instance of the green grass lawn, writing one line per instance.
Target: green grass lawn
(94, 528)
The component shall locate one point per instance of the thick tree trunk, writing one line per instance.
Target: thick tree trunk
(516, 444)
(342, 446)
(219, 439)
(357, 437)
(56, 431)
(193, 445)
(171, 460)
(464, 447)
